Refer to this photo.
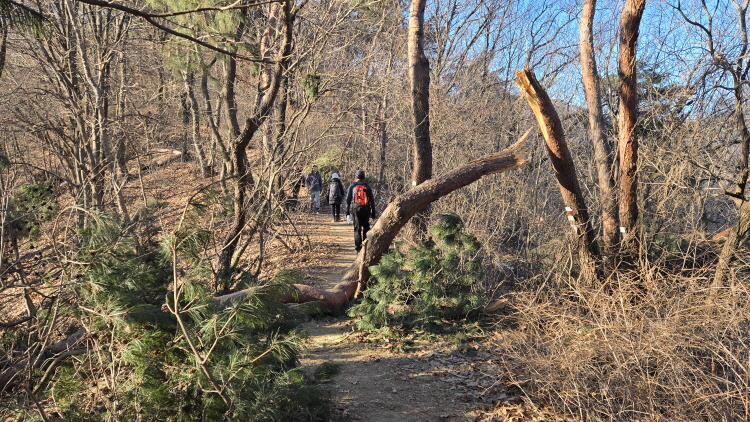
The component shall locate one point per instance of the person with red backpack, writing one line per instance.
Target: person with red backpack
(360, 205)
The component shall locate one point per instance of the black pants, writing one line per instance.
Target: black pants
(361, 226)
(336, 212)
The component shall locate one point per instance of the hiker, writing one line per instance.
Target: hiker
(314, 184)
(360, 205)
(335, 196)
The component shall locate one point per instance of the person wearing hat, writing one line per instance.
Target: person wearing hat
(335, 196)
(360, 204)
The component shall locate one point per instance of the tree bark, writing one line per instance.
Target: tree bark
(13, 375)
(280, 16)
(735, 236)
(188, 79)
(562, 165)
(394, 217)
(419, 77)
(597, 133)
(630, 21)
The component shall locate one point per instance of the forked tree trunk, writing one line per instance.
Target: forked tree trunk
(597, 133)
(630, 21)
(280, 21)
(419, 76)
(394, 217)
(740, 230)
(565, 172)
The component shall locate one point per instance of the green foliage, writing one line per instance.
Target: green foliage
(156, 365)
(435, 281)
(326, 371)
(30, 205)
(311, 83)
(21, 17)
(668, 247)
(4, 162)
(219, 28)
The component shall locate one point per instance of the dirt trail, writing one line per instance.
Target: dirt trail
(379, 382)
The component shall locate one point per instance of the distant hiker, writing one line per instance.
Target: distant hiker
(335, 196)
(314, 184)
(360, 204)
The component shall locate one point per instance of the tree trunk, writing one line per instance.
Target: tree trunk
(394, 217)
(383, 135)
(279, 19)
(188, 79)
(630, 21)
(419, 76)
(230, 78)
(562, 165)
(382, 116)
(597, 133)
(735, 236)
(212, 119)
(739, 231)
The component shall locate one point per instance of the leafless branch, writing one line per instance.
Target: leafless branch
(151, 18)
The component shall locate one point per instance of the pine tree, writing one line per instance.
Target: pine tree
(154, 358)
(437, 280)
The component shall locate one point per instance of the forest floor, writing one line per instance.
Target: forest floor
(382, 379)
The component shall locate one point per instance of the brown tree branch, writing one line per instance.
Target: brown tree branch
(151, 18)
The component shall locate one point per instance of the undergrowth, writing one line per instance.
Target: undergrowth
(428, 287)
(153, 353)
(647, 346)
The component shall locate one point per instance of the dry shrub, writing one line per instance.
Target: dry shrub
(643, 347)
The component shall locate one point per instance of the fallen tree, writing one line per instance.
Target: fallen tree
(379, 239)
(393, 218)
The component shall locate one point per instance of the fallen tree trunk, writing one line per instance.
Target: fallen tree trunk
(13, 374)
(394, 217)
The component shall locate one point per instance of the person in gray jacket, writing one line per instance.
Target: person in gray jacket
(314, 184)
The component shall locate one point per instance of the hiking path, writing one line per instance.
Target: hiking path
(381, 380)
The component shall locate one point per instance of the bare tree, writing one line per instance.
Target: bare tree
(630, 20)
(725, 52)
(564, 169)
(598, 133)
(419, 76)
(279, 29)
(78, 58)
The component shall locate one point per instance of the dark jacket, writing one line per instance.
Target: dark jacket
(335, 192)
(313, 182)
(350, 197)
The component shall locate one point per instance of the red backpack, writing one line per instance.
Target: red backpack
(360, 196)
